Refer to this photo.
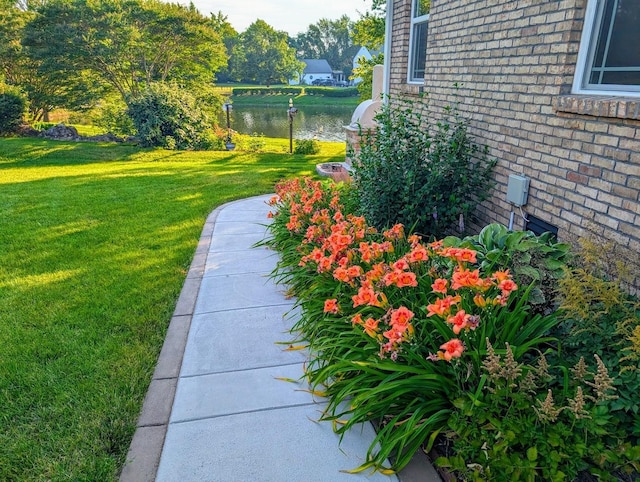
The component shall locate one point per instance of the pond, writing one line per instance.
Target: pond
(325, 123)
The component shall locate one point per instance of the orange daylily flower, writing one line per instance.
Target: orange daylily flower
(460, 321)
(440, 286)
(417, 254)
(507, 286)
(479, 301)
(501, 275)
(442, 306)
(376, 272)
(366, 296)
(401, 316)
(466, 278)
(406, 279)
(371, 327)
(396, 232)
(452, 349)
(401, 265)
(331, 306)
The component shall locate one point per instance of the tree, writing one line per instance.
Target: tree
(126, 43)
(11, 110)
(330, 40)
(369, 32)
(46, 89)
(229, 36)
(263, 55)
(13, 63)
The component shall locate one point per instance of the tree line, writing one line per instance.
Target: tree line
(79, 54)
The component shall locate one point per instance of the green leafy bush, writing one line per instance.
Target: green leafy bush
(167, 116)
(43, 126)
(332, 91)
(523, 426)
(289, 90)
(599, 316)
(538, 260)
(306, 146)
(405, 175)
(113, 117)
(12, 107)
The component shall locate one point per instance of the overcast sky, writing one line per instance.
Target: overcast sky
(292, 16)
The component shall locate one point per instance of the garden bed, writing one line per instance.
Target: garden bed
(458, 340)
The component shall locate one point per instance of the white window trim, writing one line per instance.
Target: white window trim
(414, 20)
(583, 58)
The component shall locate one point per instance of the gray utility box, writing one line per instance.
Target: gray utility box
(517, 190)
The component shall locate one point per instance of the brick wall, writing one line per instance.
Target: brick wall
(515, 61)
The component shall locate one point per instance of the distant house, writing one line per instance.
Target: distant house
(315, 69)
(363, 53)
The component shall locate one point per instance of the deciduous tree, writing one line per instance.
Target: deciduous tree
(127, 43)
(330, 40)
(263, 55)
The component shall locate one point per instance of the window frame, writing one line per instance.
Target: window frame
(415, 22)
(588, 40)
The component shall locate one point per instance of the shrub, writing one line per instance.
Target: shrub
(43, 126)
(332, 91)
(523, 426)
(12, 107)
(114, 118)
(403, 175)
(289, 90)
(538, 260)
(169, 117)
(306, 146)
(599, 316)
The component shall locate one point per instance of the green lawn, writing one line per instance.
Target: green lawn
(95, 242)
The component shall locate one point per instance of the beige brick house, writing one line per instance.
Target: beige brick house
(551, 86)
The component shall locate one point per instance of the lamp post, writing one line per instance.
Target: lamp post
(227, 108)
(292, 112)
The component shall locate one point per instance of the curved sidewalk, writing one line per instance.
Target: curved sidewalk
(218, 408)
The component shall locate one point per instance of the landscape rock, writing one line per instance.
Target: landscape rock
(25, 130)
(62, 132)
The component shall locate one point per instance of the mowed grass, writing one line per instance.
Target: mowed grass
(95, 243)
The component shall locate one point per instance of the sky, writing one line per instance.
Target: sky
(291, 16)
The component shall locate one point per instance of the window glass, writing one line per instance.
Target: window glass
(419, 53)
(418, 47)
(614, 60)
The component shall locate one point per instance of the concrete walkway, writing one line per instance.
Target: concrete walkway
(217, 408)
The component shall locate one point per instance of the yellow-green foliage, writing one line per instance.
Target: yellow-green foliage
(594, 291)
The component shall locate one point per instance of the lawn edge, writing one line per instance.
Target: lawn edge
(145, 450)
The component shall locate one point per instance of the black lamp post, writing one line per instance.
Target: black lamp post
(292, 112)
(227, 108)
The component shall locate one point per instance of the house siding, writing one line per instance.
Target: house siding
(514, 63)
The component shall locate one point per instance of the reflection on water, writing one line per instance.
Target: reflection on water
(322, 123)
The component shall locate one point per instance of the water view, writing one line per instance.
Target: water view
(318, 122)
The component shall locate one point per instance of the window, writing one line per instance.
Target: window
(609, 57)
(418, 39)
